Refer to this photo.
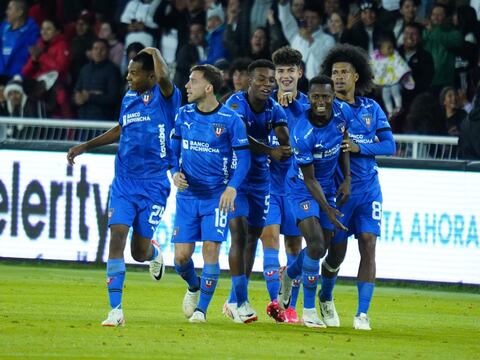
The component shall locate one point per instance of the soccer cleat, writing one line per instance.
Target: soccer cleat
(230, 310)
(246, 313)
(275, 312)
(197, 317)
(310, 319)
(190, 301)
(361, 322)
(285, 292)
(157, 266)
(329, 314)
(291, 316)
(114, 318)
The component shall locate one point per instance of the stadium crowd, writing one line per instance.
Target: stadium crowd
(68, 59)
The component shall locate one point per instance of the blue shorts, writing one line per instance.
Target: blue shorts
(362, 214)
(138, 203)
(252, 204)
(281, 213)
(199, 220)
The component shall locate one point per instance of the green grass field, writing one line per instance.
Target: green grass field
(54, 313)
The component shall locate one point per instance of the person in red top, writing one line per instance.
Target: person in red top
(51, 57)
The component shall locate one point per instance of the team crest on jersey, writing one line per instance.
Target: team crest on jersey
(341, 127)
(367, 118)
(209, 283)
(312, 278)
(305, 205)
(146, 98)
(110, 212)
(218, 128)
(234, 106)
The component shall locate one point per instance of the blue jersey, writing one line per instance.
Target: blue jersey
(259, 125)
(366, 120)
(319, 146)
(147, 120)
(278, 170)
(207, 141)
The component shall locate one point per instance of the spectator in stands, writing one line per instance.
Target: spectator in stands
(227, 85)
(424, 117)
(97, 90)
(391, 71)
(466, 59)
(442, 41)
(469, 137)
(215, 29)
(190, 54)
(18, 33)
(336, 25)
(138, 16)
(366, 32)
(3, 102)
(81, 43)
(116, 51)
(51, 55)
(453, 113)
(408, 12)
(309, 39)
(239, 76)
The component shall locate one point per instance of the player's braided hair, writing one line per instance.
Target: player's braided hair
(355, 56)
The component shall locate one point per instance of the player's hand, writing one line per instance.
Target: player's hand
(333, 215)
(180, 181)
(285, 99)
(349, 145)
(343, 191)
(281, 153)
(74, 152)
(227, 200)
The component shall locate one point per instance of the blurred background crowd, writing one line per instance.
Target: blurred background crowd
(68, 59)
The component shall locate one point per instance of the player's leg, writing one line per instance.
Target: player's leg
(186, 232)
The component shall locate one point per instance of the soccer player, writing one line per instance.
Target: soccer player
(206, 136)
(370, 135)
(140, 187)
(261, 115)
(281, 218)
(316, 141)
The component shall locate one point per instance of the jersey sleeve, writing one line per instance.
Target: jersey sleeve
(381, 119)
(302, 150)
(175, 142)
(386, 143)
(238, 131)
(279, 116)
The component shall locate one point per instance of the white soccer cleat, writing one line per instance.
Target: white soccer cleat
(190, 301)
(230, 310)
(329, 314)
(197, 317)
(361, 322)
(285, 292)
(114, 318)
(157, 266)
(246, 313)
(310, 319)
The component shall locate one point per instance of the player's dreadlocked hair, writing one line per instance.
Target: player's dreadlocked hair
(355, 56)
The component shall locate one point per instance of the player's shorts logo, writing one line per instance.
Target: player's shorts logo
(175, 231)
(311, 279)
(305, 205)
(218, 128)
(270, 273)
(367, 118)
(209, 283)
(110, 212)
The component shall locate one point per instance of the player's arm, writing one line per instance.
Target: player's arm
(317, 193)
(161, 71)
(108, 137)
(278, 153)
(344, 190)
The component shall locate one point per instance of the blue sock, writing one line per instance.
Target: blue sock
(296, 282)
(310, 271)
(295, 269)
(365, 293)
(239, 283)
(232, 298)
(208, 283)
(115, 280)
(270, 272)
(327, 288)
(154, 252)
(187, 272)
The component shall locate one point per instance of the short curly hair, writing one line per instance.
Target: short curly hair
(355, 56)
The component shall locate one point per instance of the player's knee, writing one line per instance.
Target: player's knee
(181, 258)
(317, 250)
